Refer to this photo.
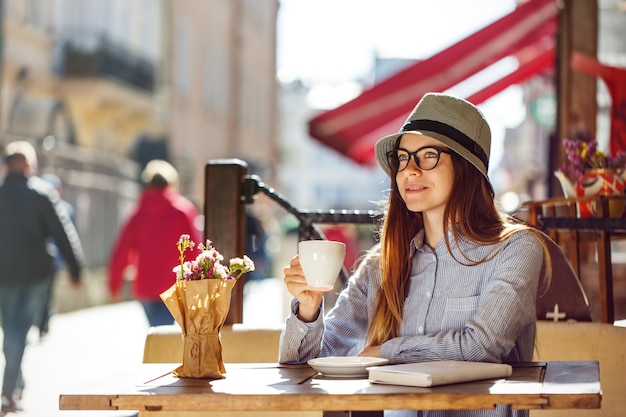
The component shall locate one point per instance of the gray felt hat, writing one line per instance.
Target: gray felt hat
(453, 121)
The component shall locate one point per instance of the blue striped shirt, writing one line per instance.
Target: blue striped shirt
(484, 312)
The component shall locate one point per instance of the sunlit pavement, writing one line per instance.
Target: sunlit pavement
(80, 347)
(87, 344)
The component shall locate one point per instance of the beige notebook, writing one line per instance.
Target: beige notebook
(429, 374)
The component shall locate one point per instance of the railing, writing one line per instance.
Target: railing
(308, 219)
(90, 55)
(229, 189)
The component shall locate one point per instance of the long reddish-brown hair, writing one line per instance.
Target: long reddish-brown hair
(470, 205)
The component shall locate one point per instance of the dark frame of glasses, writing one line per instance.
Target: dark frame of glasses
(395, 163)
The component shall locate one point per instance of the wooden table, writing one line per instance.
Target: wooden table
(271, 387)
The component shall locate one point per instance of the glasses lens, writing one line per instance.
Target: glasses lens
(428, 158)
(398, 159)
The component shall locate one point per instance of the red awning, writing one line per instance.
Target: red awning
(540, 62)
(352, 128)
(615, 80)
(362, 150)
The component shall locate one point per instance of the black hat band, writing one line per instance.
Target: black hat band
(459, 137)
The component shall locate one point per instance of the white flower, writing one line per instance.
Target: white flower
(207, 264)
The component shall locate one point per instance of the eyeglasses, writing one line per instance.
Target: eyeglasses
(426, 158)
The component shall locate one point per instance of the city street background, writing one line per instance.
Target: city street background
(85, 345)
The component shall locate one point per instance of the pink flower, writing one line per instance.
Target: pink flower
(207, 264)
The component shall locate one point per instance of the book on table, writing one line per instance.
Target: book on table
(429, 374)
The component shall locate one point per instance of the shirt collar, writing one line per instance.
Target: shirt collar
(418, 242)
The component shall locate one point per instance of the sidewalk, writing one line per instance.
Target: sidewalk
(80, 347)
(86, 344)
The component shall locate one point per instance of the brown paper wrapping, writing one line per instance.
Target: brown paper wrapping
(200, 308)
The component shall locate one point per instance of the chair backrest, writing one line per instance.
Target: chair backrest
(565, 298)
(602, 342)
(240, 343)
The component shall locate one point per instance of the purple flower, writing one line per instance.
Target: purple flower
(208, 263)
(583, 155)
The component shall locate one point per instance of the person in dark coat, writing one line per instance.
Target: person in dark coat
(30, 216)
(42, 321)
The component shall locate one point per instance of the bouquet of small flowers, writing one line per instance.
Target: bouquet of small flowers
(589, 171)
(199, 300)
(584, 155)
(207, 264)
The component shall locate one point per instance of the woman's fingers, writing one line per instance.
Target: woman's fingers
(297, 286)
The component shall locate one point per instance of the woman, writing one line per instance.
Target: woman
(452, 278)
(147, 241)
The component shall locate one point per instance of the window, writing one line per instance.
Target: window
(182, 56)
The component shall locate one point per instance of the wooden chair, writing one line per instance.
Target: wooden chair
(565, 298)
(559, 219)
(602, 342)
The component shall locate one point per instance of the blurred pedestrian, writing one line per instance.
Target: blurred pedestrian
(43, 320)
(147, 241)
(256, 241)
(30, 215)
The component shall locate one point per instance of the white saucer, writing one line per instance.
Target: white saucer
(345, 366)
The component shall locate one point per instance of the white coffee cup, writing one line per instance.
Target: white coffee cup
(321, 262)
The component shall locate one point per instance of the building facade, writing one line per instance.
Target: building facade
(220, 85)
(102, 86)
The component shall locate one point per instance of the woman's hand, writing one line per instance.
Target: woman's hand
(297, 286)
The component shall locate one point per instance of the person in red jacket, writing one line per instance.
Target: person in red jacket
(147, 241)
